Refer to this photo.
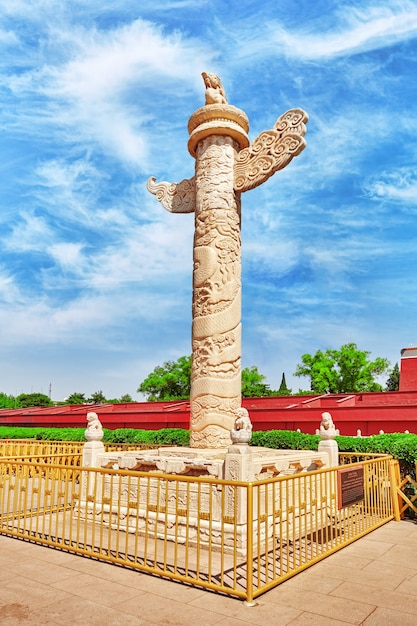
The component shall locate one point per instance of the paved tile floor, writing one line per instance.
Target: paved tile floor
(372, 582)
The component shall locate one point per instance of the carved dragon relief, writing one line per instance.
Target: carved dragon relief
(271, 151)
(216, 261)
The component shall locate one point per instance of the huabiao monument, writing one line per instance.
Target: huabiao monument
(227, 164)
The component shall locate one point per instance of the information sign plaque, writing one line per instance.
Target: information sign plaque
(350, 486)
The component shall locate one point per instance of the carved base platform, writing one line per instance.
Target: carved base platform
(237, 462)
(208, 513)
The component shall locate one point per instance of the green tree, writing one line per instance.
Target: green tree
(253, 383)
(33, 399)
(283, 389)
(172, 381)
(7, 402)
(393, 382)
(76, 398)
(126, 398)
(97, 397)
(346, 370)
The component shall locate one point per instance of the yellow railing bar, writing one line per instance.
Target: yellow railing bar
(249, 547)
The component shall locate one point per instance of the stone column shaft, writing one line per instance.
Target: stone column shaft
(216, 329)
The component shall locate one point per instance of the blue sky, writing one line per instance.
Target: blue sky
(95, 276)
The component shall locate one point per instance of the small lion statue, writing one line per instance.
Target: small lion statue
(215, 93)
(327, 428)
(94, 430)
(242, 428)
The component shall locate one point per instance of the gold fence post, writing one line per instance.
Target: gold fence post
(394, 471)
(249, 546)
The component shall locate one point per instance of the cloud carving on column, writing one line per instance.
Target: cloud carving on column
(271, 151)
(174, 197)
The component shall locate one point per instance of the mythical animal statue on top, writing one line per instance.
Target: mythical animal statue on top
(327, 428)
(215, 93)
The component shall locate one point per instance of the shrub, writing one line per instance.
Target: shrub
(400, 445)
(172, 437)
(285, 439)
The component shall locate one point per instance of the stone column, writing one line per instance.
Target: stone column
(216, 328)
(226, 166)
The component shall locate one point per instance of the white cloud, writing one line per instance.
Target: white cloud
(399, 186)
(159, 252)
(364, 30)
(8, 38)
(32, 232)
(9, 290)
(99, 87)
(91, 319)
(107, 63)
(69, 189)
(68, 255)
(346, 31)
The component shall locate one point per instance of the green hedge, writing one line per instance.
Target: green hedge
(285, 439)
(165, 436)
(42, 434)
(400, 445)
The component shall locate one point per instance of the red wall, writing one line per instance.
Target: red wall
(394, 411)
(408, 369)
(369, 412)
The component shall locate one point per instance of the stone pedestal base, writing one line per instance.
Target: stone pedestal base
(92, 450)
(92, 453)
(205, 512)
(330, 446)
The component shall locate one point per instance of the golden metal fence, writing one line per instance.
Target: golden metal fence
(30, 448)
(404, 492)
(237, 538)
(33, 448)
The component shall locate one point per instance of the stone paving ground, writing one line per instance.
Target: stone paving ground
(371, 582)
